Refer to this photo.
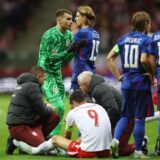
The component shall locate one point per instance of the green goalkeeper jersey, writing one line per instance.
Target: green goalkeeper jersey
(51, 55)
(53, 50)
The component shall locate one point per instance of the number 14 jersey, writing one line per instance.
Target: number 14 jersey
(94, 125)
(130, 47)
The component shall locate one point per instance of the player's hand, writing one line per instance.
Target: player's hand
(74, 28)
(49, 105)
(120, 78)
(149, 75)
(75, 46)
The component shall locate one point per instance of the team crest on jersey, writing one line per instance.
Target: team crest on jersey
(67, 42)
(55, 90)
(53, 51)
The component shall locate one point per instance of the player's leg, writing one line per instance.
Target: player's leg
(140, 109)
(44, 147)
(60, 110)
(32, 136)
(125, 148)
(52, 94)
(157, 146)
(50, 124)
(61, 142)
(122, 123)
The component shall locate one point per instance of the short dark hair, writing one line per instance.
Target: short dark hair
(35, 70)
(77, 96)
(61, 12)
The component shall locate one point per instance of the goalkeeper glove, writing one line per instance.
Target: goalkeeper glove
(75, 46)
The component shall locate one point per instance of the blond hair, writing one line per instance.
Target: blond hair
(88, 12)
(140, 20)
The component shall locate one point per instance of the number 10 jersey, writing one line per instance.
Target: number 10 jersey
(130, 47)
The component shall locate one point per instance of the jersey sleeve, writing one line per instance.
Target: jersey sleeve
(45, 48)
(80, 35)
(147, 47)
(48, 55)
(76, 36)
(70, 119)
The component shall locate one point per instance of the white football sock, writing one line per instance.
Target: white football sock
(44, 147)
(153, 118)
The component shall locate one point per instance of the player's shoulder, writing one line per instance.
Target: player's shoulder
(86, 33)
(68, 32)
(122, 38)
(49, 33)
(156, 36)
(70, 114)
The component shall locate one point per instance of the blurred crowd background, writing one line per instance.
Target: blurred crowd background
(22, 23)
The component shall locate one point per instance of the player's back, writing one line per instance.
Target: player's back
(90, 51)
(85, 58)
(94, 125)
(131, 46)
(155, 46)
(155, 50)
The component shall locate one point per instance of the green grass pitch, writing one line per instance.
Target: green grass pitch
(151, 131)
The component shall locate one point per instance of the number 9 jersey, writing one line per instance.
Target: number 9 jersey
(94, 125)
(85, 58)
(130, 47)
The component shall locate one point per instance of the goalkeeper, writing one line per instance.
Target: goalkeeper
(55, 48)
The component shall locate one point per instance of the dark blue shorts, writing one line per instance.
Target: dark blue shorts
(74, 86)
(137, 104)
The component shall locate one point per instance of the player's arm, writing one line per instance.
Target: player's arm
(35, 97)
(69, 53)
(145, 62)
(111, 62)
(69, 125)
(148, 59)
(152, 60)
(68, 132)
(75, 39)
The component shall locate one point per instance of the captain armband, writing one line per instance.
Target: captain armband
(116, 49)
(68, 128)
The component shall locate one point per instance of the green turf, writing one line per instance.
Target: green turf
(151, 131)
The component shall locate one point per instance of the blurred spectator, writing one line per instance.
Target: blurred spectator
(14, 15)
(113, 17)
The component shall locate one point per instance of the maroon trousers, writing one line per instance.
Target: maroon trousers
(36, 135)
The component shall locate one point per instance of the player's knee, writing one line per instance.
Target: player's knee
(55, 139)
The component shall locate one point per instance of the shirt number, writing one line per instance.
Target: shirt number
(95, 47)
(93, 114)
(131, 56)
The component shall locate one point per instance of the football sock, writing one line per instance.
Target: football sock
(44, 147)
(138, 134)
(153, 118)
(120, 127)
